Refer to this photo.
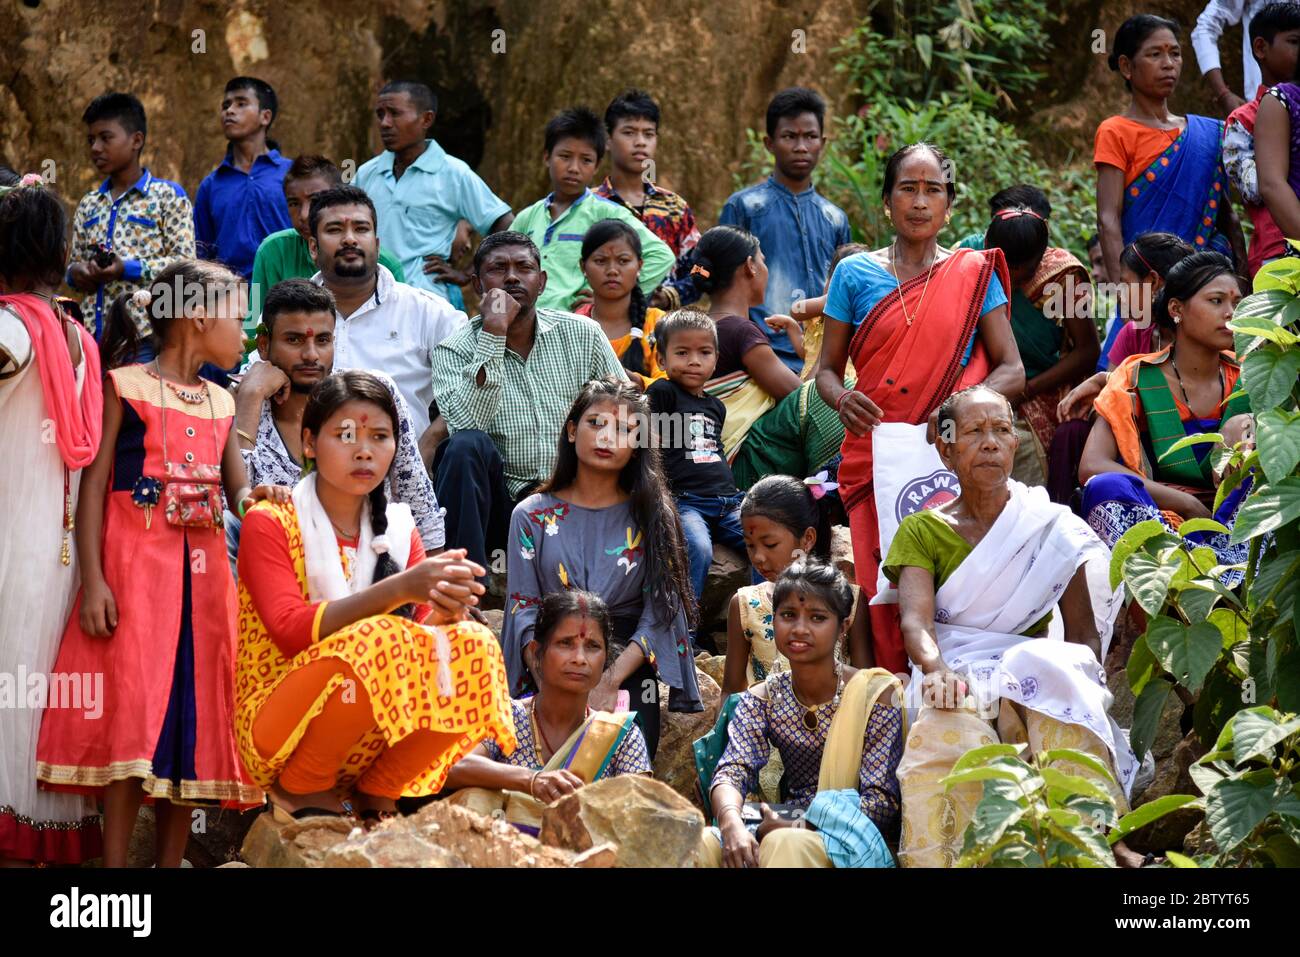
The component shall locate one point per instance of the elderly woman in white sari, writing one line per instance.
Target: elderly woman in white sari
(1007, 610)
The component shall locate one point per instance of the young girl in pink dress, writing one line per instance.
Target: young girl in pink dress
(156, 614)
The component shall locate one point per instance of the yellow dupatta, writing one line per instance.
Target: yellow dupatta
(842, 756)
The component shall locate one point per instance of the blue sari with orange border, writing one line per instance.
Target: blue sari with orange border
(1181, 190)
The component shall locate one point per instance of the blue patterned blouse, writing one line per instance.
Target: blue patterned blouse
(631, 756)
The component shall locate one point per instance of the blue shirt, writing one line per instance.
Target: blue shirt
(418, 213)
(799, 234)
(860, 282)
(234, 211)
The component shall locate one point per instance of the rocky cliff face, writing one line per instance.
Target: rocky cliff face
(501, 70)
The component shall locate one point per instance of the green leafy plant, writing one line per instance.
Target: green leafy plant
(1034, 814)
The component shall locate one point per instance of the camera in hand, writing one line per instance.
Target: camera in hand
(102, 257)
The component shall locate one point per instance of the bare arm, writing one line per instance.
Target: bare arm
(477, 770)
(1075, 365)
(1101, 454)
(860, 653)
(1273, 165)
(98, 608)
(1076, 612)
(1110, 214)
(772, 375)
(1007, 373)
(735, 672)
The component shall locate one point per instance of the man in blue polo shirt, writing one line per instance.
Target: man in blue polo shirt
(421, 193)
(241, 202)
(797, 228)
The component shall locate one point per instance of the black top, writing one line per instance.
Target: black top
(690, 436)
(736, 336)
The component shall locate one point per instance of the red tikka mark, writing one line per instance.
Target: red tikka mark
(310, 332)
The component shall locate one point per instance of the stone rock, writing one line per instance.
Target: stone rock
(1172, 777)
(728, 572)
(390, 847)
(1169, 729)
(649, 823)
(233, 864)
(300, 844)
(714, 666)
(1199, 841)
(842, 552)
(674, 762)
(602, 855)
(495, 619)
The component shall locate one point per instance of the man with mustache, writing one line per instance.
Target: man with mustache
(506, 384)
(383, 325)
(296, 345)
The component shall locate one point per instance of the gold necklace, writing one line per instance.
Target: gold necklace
(902, 304)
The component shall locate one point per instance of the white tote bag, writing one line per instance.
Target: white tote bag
(909, 476)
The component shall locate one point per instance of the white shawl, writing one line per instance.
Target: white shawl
(1012, 578)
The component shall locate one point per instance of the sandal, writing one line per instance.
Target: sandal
(281, 815)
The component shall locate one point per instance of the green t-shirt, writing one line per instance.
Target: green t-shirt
(926, 540)
(284, 255)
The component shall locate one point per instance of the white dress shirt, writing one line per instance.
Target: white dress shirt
(1210, 25)
(395, 332)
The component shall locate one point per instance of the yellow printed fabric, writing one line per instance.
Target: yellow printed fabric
(396, 659)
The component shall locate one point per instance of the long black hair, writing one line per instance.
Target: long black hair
(325, 399)
(1189, 276)
(1020, 232)
(789, 502)
(720, 252)
(169, 294)
(668, 581)
(606, 231)
(33, 236)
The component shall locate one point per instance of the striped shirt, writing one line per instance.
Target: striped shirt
(522, 403)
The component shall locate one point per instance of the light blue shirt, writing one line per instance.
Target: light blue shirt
(418, 213)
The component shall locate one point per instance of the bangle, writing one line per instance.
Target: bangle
(531, 782)
(241, 508)
(245, 436)
(840, 401)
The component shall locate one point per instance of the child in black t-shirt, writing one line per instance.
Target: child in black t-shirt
(688, 427)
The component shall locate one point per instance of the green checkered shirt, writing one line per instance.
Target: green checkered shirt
(522, 403)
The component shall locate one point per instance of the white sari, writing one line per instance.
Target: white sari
(1009, 581)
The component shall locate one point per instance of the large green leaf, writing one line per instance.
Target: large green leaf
(1256, 731)
(1267, 301)
(1220, 698)
(1197, 438)
(1146, 714)
(1201, 525)
(1196, 599)
(1148, 579)
(1151, 811)
(1081, 758)
(1279, 442)
(1265, 330)
(1065, 785)
(1233, 479)
(976, 756)
(1268, 507)
(1270, 373)
(1179, 860)
(1187, 652)
(1236, 806)
(993, 815)
(1142, 666)
(1273, 571)
(1101, 814)
(1232, 627)
(1129, 543)
(1288, 677)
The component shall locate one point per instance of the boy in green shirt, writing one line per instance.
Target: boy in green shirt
(284, 254)
(575, 143)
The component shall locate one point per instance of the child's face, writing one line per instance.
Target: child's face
(796, 145)
(689, 358)
(805, 628)
(1279, 57)
(772, 547)
(633, 143)
(112, 148)
(611, 270)
(242, 115)
(574, 658)
(355, 447)
(224, 327)
(571, 165)
(604, 437)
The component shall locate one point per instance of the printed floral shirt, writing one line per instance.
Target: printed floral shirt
(149, 226)
(669, 217)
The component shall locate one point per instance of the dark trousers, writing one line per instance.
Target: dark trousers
(470, 481)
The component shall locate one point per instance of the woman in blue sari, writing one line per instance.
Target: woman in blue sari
(1158, 172)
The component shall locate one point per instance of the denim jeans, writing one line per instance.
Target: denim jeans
(707, 519)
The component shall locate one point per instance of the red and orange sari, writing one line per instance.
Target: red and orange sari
(908, 369)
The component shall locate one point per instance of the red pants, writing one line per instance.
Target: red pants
(886, 629)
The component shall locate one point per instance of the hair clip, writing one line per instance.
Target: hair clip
(379, 544)
(141, 298)
(699, 270)
(638, 332)
(819, 485)
(28, 181)
(1015, 212)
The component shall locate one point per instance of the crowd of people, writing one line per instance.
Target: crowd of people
(261, 465)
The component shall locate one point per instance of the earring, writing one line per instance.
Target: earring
(1178, 320)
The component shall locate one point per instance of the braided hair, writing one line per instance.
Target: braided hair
(328, 396)
(608, 231)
